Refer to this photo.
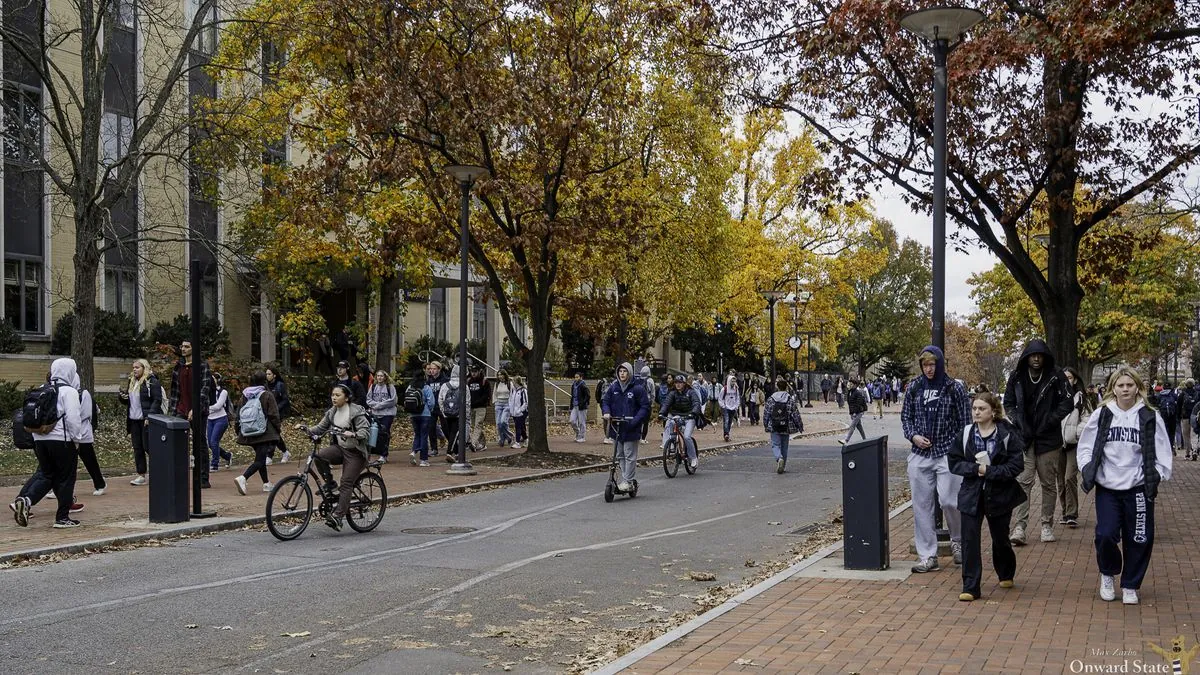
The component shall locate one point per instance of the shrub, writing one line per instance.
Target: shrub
(308, 393)
(117, 335)
(12, 396)
(214, 339)
(10, 339)
(413, 366)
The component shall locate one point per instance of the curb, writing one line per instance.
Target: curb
(729, 605)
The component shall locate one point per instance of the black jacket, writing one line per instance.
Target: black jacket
(1041, 427)
(581, 395)
(357, 391)
(998, 485)
(1188, 397)
(857, 401)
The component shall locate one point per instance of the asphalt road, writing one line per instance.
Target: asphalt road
(539, 574)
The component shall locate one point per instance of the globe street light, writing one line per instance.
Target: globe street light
(943, 27)
(466, 175)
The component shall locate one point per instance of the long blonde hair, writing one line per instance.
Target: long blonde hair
(135, 384)
(1110, 388)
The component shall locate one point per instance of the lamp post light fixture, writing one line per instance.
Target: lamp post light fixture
(772, 297)
(943, 27)
(466, 175)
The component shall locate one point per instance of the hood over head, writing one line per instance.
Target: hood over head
(939, 374)
(628, 367)
(253, 390)
(1036, 347)
(65, 371)
(645, 371)
(455, 375)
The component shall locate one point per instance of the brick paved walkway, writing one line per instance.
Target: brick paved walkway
(122, 510)
(1052, 622)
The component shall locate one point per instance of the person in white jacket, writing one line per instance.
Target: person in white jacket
(1124, 452)
(518, 408)
(217, 424)
(57, 450)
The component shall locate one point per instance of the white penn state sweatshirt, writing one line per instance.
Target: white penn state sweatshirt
(1122, 465)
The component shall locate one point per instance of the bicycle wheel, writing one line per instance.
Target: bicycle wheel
(289, 508)
(670, 463)
(367, 503)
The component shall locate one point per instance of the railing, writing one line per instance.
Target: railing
(551, 404)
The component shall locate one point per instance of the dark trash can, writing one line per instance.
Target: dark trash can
(168, 469)
(865, 505)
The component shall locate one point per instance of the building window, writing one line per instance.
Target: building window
(478, 315)
(206, 38)
(124, 13)
(116, 132)
(120, 290)
(437, 313)
(518, 323)
(23, 295)
(208, 297)
(22, 123)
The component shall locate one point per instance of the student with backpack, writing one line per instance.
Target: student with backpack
(257, 424)
(142, 396)
(218, 422)
(781, 419)
(450, 403)
(501, 393)
(52, 414)
(989, 455)
(518, 410)
(381, 402)
(419, 403)
(279, 390)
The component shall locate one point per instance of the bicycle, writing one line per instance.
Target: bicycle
(676, 451)
(290, 504)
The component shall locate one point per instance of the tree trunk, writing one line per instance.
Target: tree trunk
(87, 263)
(388, 288)
(539, 437)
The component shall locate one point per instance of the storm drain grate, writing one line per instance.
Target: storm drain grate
(438, 530)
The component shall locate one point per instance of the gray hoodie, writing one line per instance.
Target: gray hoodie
(629, 382)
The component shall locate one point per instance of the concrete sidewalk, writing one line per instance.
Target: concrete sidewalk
(120, 515)
(817, 618)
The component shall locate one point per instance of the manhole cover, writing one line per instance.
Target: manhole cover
(438, 530)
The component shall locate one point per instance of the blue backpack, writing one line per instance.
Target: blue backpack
(252, 421)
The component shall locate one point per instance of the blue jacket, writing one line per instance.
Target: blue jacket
(937, 409)
(627, 402)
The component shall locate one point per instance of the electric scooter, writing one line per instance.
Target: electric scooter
(610, 489)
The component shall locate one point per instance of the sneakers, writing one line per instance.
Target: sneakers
(99, 491)
(287, 457)
(1007, 583)
(334, 522)
(1129, 596)
(956, 550)
(241, 484)
(412, 458)
(927, 565)
(139, 480)
(267, 487)
(1048, 534)
(214, 467)
(516, 446)
(1072, 522)
(423, 463)
(67, 522)
(382, 459)
(623, 486)
(580, 440)
(20, 508)
(779, 465)
(270, 461)
(228, 457)
(1017, 538)
(695, 462)
(967, 597)
(76, 507)
(1108, 591)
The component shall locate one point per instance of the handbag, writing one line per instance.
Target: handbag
(1070, 423)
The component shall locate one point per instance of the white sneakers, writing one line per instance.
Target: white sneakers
(423, 463)
(241, 484)
(99, 491)
(695, 463)
(269, 461)
(1048, 534)
(1108, 591)
(1129, 596)
(516, 446)
(623, 486)
(267, 487)
(139, 480)
(287, 456)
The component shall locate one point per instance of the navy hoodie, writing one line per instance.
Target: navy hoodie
(936, 408)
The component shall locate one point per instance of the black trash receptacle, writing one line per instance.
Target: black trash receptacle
(865, 505)
(168, 469)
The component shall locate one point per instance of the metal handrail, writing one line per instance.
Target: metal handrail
(425, 359)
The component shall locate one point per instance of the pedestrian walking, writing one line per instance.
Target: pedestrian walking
(501, 393)
(988, 455)
(350, 428)
(626, 401)
(839, 391)
(423, 403)
(858, 407)
(646, 380)
(180, 401)
(52, 415)
(1188, 398)
(936, 408)
(730, 400)
(257, 425)
(1168, 401)
(826, 385)
(218, 423)
(357, 390)
(89, 417)
(756, 400)
(781, 419)
(279, 390)
(518, 409)
(1036, 401)
(142, 396)
(1124, 453)
(480, 391)
(449, 402)
(580, 400)
(381, 402)
(1068, 487)
(436, 378)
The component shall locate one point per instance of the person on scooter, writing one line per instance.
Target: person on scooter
(684, 402)
(626, 401)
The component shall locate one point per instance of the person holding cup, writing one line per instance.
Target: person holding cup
(989, 455)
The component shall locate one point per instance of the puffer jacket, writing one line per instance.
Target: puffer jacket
(998, 486)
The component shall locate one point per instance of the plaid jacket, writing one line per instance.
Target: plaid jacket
(205, 387)
(938, 414)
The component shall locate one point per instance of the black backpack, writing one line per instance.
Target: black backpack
(21, 437)
(780, 414)
(414, 400)
(40, 412)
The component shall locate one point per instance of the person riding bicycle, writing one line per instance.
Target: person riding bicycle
(682, 401)
(351, 427)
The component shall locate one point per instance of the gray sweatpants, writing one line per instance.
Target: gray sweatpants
(627, 459)
(579, 422)
(924, 475)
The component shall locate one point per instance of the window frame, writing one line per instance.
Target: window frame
(124, 276)
(22, 263)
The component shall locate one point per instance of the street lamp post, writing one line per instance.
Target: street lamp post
(943, 28)
(466, 175)
(772, 297)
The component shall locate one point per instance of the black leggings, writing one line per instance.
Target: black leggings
(261, 452)
(87, 453)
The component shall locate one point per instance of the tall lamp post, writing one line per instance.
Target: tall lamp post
(943, 27)
(772, 297)
(466, 175)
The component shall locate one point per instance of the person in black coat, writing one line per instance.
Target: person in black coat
(989, 490)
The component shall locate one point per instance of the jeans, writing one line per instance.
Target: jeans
(58, 463)
(432, 430)
(1045, 466)
(385, 435)
(689, 427)
(421, 428)
(779, 445)
(924, 475)
(728, 417)
(855, 423)
(502, 429)
(216, 429)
